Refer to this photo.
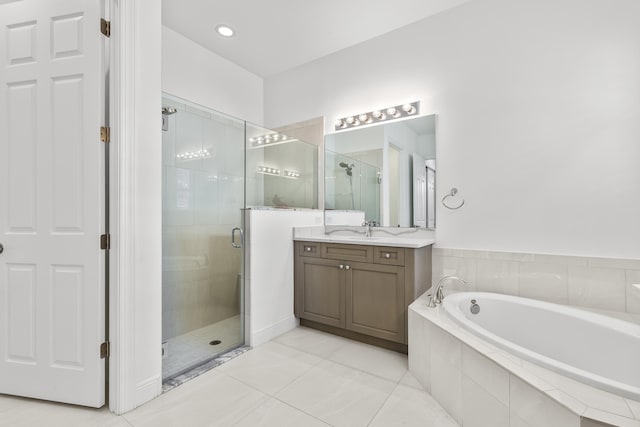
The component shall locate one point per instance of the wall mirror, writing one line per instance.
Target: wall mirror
(384, 173)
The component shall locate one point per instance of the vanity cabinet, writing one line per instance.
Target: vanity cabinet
(359, 291)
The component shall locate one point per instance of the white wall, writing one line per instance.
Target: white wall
(269, 271)
(538, 107)
(198, 75)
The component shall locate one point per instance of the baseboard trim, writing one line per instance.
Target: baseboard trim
(147, 390)
(260, 337)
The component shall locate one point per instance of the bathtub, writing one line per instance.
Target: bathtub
(597, 350)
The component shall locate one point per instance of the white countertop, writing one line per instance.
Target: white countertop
(401, 238)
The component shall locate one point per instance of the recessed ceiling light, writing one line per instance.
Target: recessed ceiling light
(225, 31)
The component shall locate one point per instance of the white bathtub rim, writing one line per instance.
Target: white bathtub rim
(517, 366)
(619, 325)
(451, 308)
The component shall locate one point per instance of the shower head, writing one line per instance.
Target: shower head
(169, 111)
(347, 168)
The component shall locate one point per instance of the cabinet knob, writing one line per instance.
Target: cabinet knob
(387, 255)
(347, 267)
(308, 249)
(341, 267)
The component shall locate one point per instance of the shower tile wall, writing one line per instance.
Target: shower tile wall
(201, 283)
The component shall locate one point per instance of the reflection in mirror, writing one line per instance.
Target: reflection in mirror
(383, 173)
(353, 184)
(281, 170)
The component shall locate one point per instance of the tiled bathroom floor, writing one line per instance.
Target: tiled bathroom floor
(187, 350)
(302, 378)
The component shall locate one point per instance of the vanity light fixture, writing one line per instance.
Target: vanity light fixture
(225, 31)
(268, 170)
(389, 113)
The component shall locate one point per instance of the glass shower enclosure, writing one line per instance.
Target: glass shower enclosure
(214, 168)
(203, 201)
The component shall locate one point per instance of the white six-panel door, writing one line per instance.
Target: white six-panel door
(52, 200)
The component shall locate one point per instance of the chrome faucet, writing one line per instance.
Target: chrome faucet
(369, 224)
(437, 295)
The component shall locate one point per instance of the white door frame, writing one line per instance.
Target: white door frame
(135, 369)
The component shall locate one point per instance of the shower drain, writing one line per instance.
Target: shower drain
(215, 342)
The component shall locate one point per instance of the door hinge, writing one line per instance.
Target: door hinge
(105, 349)
(105, 27)
(105, 134)
(105, 241)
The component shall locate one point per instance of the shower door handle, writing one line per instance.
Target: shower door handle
(233, 237)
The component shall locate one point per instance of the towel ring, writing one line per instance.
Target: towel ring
(452, 193)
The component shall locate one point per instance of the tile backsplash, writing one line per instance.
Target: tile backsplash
(596, 283)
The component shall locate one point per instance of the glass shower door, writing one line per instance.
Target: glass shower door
(203, 201)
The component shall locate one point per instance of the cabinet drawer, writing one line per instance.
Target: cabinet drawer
(347, 252)
(311, 249)
(388, 255)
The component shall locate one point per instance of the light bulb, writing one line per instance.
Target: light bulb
(409, 109)
(377, 114)
(351, 120)
(391, 111)
(363, 117)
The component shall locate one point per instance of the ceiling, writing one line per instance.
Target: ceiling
(276, 35)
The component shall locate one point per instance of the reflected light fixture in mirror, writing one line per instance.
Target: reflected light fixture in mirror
(389, 113)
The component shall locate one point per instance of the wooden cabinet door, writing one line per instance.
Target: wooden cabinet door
(320, 290)
(375, 300)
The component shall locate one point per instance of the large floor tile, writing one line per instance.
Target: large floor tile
(337, 394)
(410, 381)
(218, 400)
(275, 413)
(311, 341)
(384, 363)
(270, 367)
(410, 407)
(21, 412)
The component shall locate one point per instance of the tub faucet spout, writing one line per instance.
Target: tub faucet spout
(437, 295)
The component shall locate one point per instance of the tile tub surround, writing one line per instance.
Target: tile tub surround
(481, 385)
(594, 283)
